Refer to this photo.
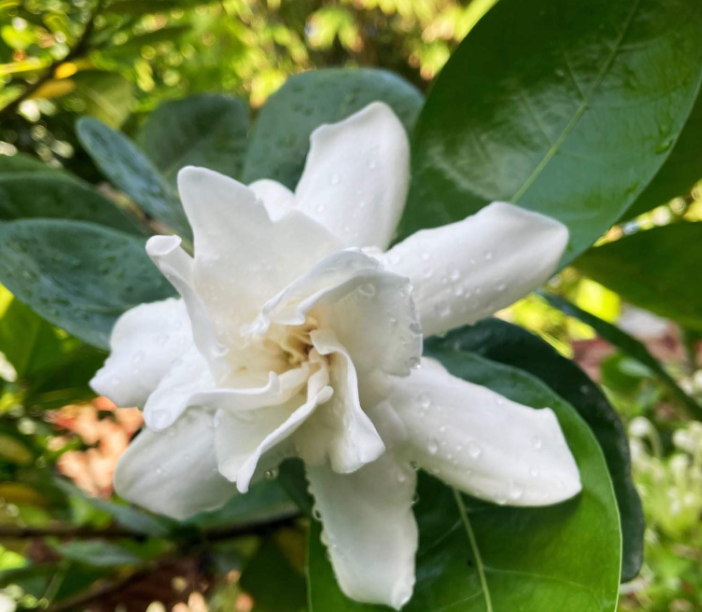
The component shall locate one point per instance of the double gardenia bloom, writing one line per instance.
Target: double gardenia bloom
(298, 334)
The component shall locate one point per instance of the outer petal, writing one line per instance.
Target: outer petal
(356, 177)
(482, 443)
(177, 266)
(369, 528)
(277, 198)
(242, 258)
(339, 430)
(468, 270)
(145, 342)
(174, 472)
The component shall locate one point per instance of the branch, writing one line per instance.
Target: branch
(77, 51)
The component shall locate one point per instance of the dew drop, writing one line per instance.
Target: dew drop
(335, 179)
(424, 400)
(432, 447)
(537, 443)
(474, 450)
(367, 290)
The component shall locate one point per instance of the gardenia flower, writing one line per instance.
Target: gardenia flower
(297, 335)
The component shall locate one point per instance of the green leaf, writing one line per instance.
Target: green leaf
(511, 345)
(127, 516)
(14, 450)
(478, 557)
(265, 501)
(21, 162)
(269, 566)
(96, 553)
(206, 130)
(80, 276)
(129, 170)
(681, 170)
(631, 346)
(28, 342)
(653, 269)
(566, 108)
(43, 195)
(107, 96)
(281, 137)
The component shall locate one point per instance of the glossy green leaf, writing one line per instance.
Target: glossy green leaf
(270, 568)
(265, 501)
(511, 345)
(80, 276)
(107, 96)
(206, 130)
(629, 345)
(654, 269)
(566, 108)
(43, 195)
(681, 171)
(478, 557)
(129, 170)
(281, 137)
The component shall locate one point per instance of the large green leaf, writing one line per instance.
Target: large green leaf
(28, 342)
(654, 269)
(478, 557)
(281, 137)
(681, 170)
(202, 130)
(127, 167)
(628, 344)
(21, 162)
(506, 343)
(43, 195)
(567, 108)
(80, 276)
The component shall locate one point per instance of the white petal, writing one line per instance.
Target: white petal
(145, 342)
(369, 528)
(174, 472)
(468, 270)
(242, 258)
(188, 375)
(242, 438)
(330, 279)
(178, 267)
(277, 198)
(356, 177)
(482, 443)
(339, 430)
(376, 323)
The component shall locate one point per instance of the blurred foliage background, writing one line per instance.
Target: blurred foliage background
(119, 60)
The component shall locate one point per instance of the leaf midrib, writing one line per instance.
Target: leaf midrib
(476, 551)
(554, 148)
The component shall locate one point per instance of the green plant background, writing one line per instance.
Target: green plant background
(154, 85)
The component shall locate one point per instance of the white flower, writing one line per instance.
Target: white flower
(296, 335)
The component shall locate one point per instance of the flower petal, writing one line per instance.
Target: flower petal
(145, 342)
(242, 438)
(242, 258)
(277, 198)
(177, 266)
(356, 177)
(369, 528)
(468, 270)
(187, 376)
(339, 430)
(174, 472)
(481, 443)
